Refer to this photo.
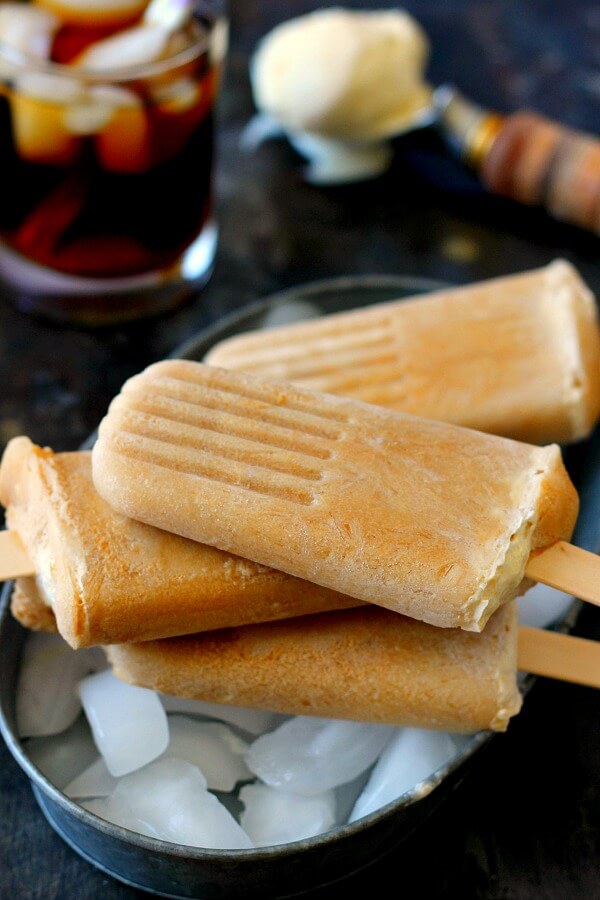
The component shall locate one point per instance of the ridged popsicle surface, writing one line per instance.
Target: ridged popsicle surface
(517, 356)
(425, 518)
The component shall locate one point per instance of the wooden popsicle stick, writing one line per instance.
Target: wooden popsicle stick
(568, 568)
(560, 656)
(14, 560)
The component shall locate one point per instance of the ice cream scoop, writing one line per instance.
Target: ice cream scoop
(343, 75)
(341, 83)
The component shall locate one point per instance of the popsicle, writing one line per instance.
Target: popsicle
(30, 609)
(517, 356)
(110, 579)
(367, 664)
(430, 520)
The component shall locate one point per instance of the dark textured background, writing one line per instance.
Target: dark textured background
(526, 824)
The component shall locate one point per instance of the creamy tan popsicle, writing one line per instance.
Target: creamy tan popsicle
(517, 356)
(306, 644)
(109, 579)
(366, 664)
(430, 520)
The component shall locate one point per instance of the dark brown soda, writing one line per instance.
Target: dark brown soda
(85, 220)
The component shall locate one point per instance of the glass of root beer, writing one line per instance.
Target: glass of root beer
(106, 154)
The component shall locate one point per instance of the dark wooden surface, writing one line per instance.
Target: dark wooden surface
(526, 824)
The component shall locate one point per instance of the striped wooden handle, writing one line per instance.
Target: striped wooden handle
(539, 162)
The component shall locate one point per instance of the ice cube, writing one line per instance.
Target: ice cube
(123, 143)
(64, 755)
(88, 116)
(254, 721)
(346, 796)
(543, 605)
(171, 14)
(278, 817)
(57, 90)
(96, 109)
(47, 701)
(95, 781)
(289, 312)
(27, 28)
(410, 758)
(309, 756)
(98, 806)
(170, 797)
(38, 105)
(137, 46)
(176, 97)
(118, 813)
(212, 747)
(105, 13)
(128, 723)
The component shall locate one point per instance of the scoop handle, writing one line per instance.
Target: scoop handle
(540, 163)
(527, 157)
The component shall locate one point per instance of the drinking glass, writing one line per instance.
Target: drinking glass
(107, 210)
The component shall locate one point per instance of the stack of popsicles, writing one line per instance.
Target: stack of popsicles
(249, 541)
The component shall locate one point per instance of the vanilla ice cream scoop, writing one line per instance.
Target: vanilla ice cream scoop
(341, 83)
(341, 74)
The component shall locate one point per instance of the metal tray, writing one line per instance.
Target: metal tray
(291, 869)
